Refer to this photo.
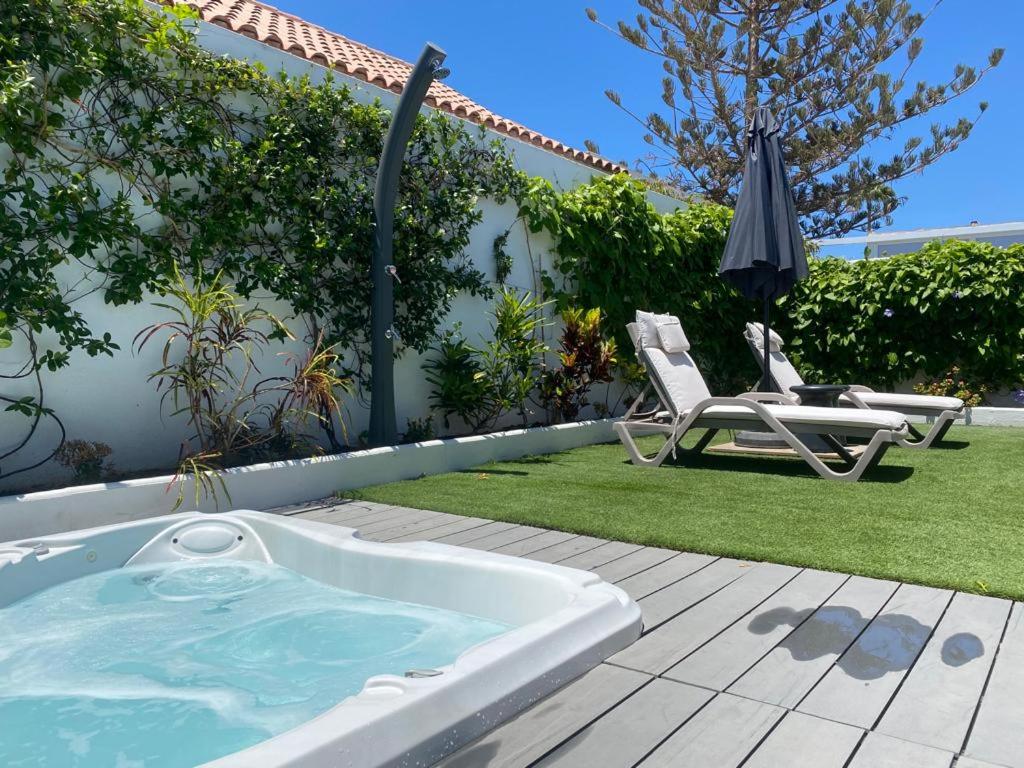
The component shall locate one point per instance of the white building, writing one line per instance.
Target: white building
(881, 244)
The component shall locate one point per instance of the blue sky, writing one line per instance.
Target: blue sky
(546, 66)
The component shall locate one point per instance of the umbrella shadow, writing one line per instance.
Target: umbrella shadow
(890, 643)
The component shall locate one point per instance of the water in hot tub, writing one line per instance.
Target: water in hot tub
(174, 665)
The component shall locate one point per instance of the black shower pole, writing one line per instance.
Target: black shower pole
(383, 428)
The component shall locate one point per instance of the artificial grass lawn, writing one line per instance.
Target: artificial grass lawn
(949, 516)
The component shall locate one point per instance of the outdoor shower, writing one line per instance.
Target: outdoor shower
(383, 428)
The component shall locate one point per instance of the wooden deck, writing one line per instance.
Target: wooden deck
(752, 664)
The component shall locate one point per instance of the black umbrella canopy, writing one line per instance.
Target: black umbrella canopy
(764, 255)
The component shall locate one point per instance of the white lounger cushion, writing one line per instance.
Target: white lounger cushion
(756, 331)
(683, 385)
(684, 388)
(661, 332)
(894, 400)
(794, 415)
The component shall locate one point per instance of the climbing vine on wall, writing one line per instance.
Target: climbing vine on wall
(878, 322)
(128, 149)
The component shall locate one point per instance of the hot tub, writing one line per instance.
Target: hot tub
(250, 639)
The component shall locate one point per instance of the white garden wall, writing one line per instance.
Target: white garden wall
(110, 400)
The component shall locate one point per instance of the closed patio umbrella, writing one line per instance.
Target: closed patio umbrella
(764, 255)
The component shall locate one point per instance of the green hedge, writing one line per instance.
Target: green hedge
(886, 320)
(954, 303)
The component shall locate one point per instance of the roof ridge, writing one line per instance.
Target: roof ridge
(313, 42)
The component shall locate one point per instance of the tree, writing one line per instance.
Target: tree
(834, 73)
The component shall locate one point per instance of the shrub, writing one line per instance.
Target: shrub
(236, 415)
(585, 358)
(952, 385)
(481, 384)
(85, 458)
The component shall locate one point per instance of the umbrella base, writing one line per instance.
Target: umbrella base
(769, 440)
(751, 439)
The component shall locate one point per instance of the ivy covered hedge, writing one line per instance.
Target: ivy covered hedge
(877, 322)
(128, 148)
(615, 251)
(131, 153)
(883, 321)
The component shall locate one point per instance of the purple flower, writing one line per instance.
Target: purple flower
(957, 294)
(1018, 396)
(888, 312)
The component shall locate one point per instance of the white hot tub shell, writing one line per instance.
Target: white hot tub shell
(564, 622)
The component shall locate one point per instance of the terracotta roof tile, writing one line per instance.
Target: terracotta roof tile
(309, 41)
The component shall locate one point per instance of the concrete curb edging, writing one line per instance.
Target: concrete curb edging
(262, 486)
(984, 416)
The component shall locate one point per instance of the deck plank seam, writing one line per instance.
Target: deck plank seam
(853, 642)
(573, 734)
(426, 531)
(733, 622)
(682, 578)
(647, 630)
(682, 725)
(763, 739)
(856, 749)
(562, 543)
(988, 678)
(390, 530)
(675, 554)
(782, 640)
(913, 664)
(517, 541)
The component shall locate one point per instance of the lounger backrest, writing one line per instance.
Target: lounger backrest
(672, 371)
(783, 372)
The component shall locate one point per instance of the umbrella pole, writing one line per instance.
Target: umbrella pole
(766, 379)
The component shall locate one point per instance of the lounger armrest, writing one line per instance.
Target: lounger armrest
(859, 388)
(769, 397)
(851, 396)
(741, 400)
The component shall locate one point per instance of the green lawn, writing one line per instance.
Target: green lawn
(950, 516)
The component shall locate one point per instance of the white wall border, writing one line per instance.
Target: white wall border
(262, 486)
(984, 416)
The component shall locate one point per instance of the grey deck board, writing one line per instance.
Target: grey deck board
(941, 693)
(534, 543)
(528, 737)
(880, 751)
(785, 675)
(605, 553)
(819, 670)
(802, 741)
(650, 580)
(566, 549)
(457, 526)
(973, 762)
(370, 527)
(633, 563)
(501, 538)
(857, 688)
(718, 664)
(721, 735)
(464, 537)
(658, 607)
(416, 526)
(656, 651)
(344, 512)
(997, 735)
(627, 733)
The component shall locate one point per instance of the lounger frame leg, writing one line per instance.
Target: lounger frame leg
(938, 431)
(678, 429)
